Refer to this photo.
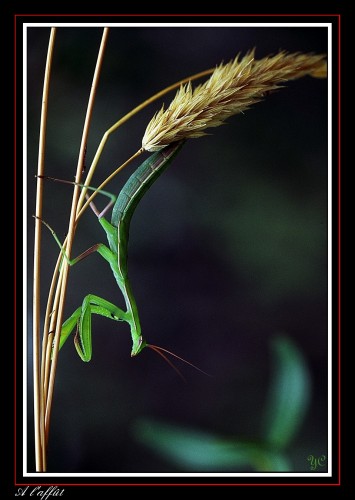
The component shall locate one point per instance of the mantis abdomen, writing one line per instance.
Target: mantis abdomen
(132, 192)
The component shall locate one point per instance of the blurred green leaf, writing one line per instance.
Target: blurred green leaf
(286, 406)
(289, 394)
(195, 450)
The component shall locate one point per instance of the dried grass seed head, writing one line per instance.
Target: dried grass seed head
(231, 89)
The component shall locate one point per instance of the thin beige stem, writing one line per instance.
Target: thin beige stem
(126, 118)
(50, 313)
(47, 369)
(51, 336)
(71, 230)
(37, 392)
(47, 347)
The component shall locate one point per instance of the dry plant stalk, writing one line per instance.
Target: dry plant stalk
(45, 380)
(231, 89)
(38, 393)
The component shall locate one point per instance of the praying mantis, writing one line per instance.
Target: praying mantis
(115, 254)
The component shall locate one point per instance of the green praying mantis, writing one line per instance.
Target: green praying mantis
(115, 254)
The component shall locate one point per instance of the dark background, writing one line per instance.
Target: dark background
(227, 249)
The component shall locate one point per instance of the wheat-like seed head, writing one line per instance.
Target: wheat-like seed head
(232, 88)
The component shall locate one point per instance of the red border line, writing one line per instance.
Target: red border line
(177, 15)
(15, 243)
(339, 254)
(338, 16)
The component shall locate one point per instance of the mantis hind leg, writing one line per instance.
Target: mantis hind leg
(81, 318)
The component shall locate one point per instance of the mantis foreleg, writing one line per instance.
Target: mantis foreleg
(131, 316)
(81, 318)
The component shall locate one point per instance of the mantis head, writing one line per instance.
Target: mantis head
(138, 345)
